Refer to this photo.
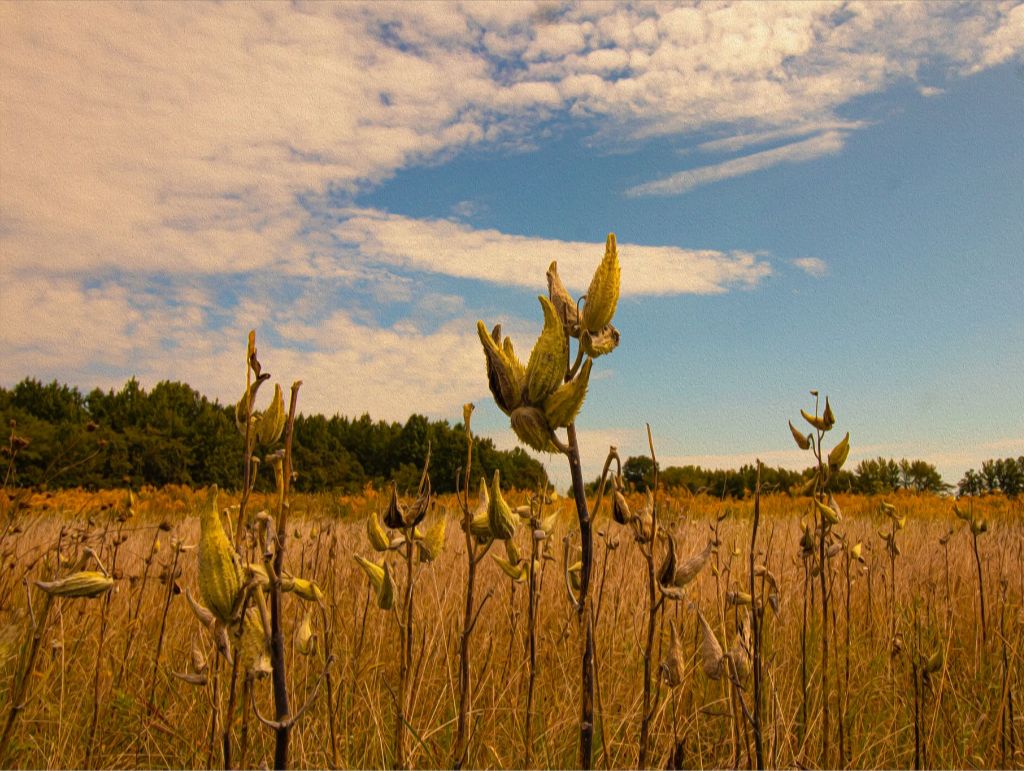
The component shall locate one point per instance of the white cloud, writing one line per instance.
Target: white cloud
(812, 266)
(828, 143)
(454, 249)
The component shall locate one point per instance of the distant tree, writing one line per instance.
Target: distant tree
(638, 471)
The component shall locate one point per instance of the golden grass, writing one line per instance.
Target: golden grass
(963, 719)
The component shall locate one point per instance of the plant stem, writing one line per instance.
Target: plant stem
(583, 609)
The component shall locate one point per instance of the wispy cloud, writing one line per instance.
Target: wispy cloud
(455, 249)
(812, 266)
(828, 143)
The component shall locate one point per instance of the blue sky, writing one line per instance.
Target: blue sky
(805, 196)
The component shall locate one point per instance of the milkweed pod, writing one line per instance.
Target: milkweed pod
(807, 540)
(516, 572)
(828, 514)
(901, 522)
(258, 572)
(192, 678)
(739, 653)
(814, 420)
(827, 416)
(603, 294)
(220, 576)
(600, 342)
(271, 422)
(394, 515)
(575, 580)
(934, 662)
(855, 552)
(889, 509)
(307, 590)
(620, 509)
(737, 598)
(244, 410)
(375, 533)
(691, 568)
(802, 441)
(546, 368)
(206, 618)
(254, 654)
(532, 428)
(563, 302)
(548, 523)
(305, 639)
(667, 571)
(199, 663)
(501, 381)
(516, 368)
(562, 407)
(500, 519)
(837, 457)
(432, 543)
(710, 649)
(85, 583)
(512, 552)
(380, 580)
(672, 665)
(523, 512)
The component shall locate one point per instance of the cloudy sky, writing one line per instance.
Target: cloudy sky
(808, 195)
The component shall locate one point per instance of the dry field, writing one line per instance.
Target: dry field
(912, 675)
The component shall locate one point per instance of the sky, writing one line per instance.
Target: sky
(806, 196)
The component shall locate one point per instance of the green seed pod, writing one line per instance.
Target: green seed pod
(575, 576)
(271, 422)
(819, 423)
(85, 583)
(255, 658)
(532, 429)
(242, 409)
(828, 514)
(516, 367)
(563, 302)
(549, 356)
(802, 441)
(479, 525)
(516, 572)
(598, 343)
(561, 408)
(827, 416)
(375, 533)
(220, 576)
(305, 639)
(603, 295)
(837, 457)
(305, 590)
(500, 519)
(501, 377)
(380, 580)
(431, 544)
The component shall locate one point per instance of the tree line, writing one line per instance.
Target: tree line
(870, 477)
(1005, 475)
(172, 434)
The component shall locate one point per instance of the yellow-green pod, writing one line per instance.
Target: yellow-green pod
(603, 295)
(532, 428)
(380, 580)
(432, 542)
(501, 378)
(818, 423)
(561, 408)
(500, 519)
(563, 302)
(271, 423)
(546, 368)
(375, 533)
(516, 572)
(85, 583)
(220, 576)
(306, 590)
(802, 441)
(305, 639)
(837, 457)
(827, 513)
